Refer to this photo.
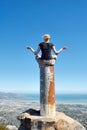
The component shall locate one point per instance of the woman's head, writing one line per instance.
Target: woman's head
(46, 37)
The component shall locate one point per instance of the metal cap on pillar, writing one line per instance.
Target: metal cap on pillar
(47, 87)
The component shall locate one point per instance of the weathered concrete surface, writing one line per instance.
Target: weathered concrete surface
(59, 122)
(47, 87)
(47, 91)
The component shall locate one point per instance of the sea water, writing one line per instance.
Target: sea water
(61, 98)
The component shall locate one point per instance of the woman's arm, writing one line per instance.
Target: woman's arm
(37, 51)
(59, 51)
(34, 52)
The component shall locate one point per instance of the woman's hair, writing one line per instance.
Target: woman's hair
(47, 36)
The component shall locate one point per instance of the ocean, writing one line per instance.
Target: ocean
(60, 98)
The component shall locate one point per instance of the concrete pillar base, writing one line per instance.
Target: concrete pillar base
(60, 122)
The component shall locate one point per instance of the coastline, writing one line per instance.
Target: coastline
(60, 98)
(32, 101)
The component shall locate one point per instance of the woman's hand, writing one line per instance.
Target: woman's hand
(64, 48)
(28, 47)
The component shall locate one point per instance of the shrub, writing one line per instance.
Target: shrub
(3, 127)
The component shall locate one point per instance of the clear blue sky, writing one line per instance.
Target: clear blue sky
(23, 22)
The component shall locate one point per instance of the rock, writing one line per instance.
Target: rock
(23, 116)
(64, 122)
(33, 111)
(11, 127)
(28, 113)
(64, 125)
(59, 122)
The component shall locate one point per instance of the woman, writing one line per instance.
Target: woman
(46, 47)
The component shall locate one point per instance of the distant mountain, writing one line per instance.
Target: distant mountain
(7, 96)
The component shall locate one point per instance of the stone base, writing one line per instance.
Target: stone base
(31, 120)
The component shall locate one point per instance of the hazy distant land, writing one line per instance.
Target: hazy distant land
(10, 108)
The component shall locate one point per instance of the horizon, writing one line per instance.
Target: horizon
(9, 92)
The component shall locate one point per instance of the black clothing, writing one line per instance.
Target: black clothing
(46, 50)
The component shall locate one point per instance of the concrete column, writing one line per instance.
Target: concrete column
(47, 91)
(47, 87)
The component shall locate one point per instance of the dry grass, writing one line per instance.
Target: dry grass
(3, 127)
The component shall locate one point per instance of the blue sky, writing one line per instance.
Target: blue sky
(23, 22)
